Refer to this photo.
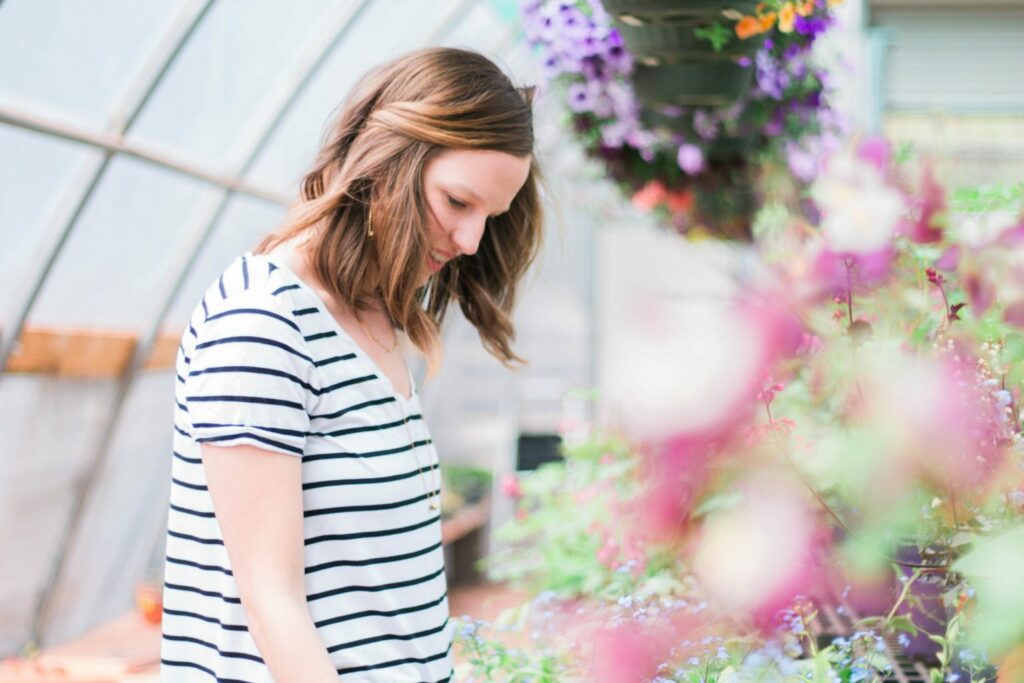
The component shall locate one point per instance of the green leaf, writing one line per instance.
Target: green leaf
(903, 623)
(716, 34)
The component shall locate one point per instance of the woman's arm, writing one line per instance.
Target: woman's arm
(257, 499)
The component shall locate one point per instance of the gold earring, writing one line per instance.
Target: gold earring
(369, 222)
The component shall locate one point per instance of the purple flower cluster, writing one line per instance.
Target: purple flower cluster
(772, 77)
(579, 46)
(578, 39)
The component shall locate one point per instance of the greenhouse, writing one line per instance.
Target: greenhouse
(626, 341)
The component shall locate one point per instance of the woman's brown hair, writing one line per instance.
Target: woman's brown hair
(396, 118)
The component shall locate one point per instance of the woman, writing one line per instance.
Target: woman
(304, 537)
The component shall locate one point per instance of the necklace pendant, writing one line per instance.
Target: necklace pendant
(433, 505)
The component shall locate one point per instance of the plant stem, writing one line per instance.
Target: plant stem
(817, 496)
(849, 289)
(914, 576)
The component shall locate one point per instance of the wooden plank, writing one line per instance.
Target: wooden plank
(466, 520)
(80, 352)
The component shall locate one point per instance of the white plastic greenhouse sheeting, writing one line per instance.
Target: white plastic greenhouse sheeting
(79, 65)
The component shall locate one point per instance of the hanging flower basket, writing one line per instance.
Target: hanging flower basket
(692, 84)
(683, 100)
(636, 12)
(665, 43)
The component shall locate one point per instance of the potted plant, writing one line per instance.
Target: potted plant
(862, 395)
(693, 166)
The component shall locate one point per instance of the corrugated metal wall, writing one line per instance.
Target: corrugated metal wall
(951, 83)
(953, 58)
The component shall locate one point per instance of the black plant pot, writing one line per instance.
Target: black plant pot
(635, 12)
(662, 43)
(691, 84)
(927, 610)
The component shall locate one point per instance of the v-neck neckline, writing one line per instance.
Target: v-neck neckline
(365, 357)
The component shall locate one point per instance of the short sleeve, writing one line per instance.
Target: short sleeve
(249, 376)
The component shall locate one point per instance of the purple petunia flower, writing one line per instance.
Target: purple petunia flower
(802, 164)
(772, 79)
(705, 125)
(690, 158)
(580, 98)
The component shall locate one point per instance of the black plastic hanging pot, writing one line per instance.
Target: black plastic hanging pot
(709, 83)
(676, 67)
(666, 43)
(636, 12)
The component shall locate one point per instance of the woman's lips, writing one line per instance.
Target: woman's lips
(433, 265)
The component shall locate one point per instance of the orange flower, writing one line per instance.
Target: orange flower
(787, 15)
(746, 27)
(767, 21)
(649, 196)
(805, 8)
(834, 3)
(680, 200)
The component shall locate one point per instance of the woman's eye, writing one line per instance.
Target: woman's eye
(456, 203)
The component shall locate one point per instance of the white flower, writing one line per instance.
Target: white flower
(860, 211)
(978, 230)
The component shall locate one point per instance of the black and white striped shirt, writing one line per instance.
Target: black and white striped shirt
(264, 363)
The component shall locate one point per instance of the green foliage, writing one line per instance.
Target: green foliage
(716, 33)
(468, 481)
(489, 659)
(989, 198)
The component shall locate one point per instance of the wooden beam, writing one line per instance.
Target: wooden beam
(80, 352)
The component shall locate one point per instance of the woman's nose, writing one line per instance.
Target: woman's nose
(467, 236)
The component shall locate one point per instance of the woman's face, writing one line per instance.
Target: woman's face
(464, 187)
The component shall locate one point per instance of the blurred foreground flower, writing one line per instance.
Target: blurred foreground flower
(689, 370)
(860, 208)
(754, 558)
(510, 486)
(938, 418)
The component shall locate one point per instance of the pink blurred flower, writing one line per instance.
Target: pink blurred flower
(1014, 313)
(608, 553)
(938, 418)
(929, 206)
(980, 293)
(696, 374)
(834, 272)
(756, 557)
(950, 259)
(877, 151)
(510, 486)
(632, 652)
(860, 207)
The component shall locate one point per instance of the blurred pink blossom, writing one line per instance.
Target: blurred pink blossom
(753, 559)
(510, 486)
(860, 207)
(929, 206)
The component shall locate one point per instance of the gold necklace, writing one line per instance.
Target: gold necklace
(374, 338)
(430, 492)
(427, 490)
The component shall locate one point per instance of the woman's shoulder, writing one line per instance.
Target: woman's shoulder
(250, 280)
(251, 290)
